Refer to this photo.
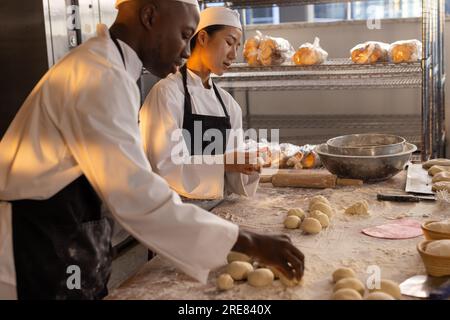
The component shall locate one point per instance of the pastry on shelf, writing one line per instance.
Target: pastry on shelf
(274, 51)
(405, 51)
(251, 49)
(370, 52)
(310, 54)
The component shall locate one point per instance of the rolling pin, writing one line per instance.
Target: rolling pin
(310, 179)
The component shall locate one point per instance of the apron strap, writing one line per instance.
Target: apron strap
(187, 96)
(114, 39)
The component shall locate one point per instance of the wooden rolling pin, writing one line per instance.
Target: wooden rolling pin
(310, 179)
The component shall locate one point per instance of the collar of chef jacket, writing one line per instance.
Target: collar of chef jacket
(132, 62)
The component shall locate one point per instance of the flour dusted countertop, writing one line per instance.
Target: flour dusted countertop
(341, 244)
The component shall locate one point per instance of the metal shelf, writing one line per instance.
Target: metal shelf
(269, 3)
(334, 74)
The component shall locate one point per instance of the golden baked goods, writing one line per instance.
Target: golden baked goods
(251, 49)
(369, 52)
(405, 51)
(274, 51)
(310, 54)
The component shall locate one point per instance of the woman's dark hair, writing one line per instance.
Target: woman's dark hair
(210, 30)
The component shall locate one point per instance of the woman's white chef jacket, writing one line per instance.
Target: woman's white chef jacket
(162, 114)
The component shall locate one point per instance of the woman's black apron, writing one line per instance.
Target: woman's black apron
(57, 239)
(223, 124)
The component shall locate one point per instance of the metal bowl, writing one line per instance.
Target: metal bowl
(370, 144)
(367, 168)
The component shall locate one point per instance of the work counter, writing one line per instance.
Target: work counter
(341, 244)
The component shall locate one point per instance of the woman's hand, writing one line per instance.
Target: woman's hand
(244, 162)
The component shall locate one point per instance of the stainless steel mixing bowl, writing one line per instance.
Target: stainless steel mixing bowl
(367, 144)
(367, 168)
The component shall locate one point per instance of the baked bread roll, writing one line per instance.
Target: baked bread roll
(274, 51)
(251, 50)
(310, 54)
(405, 51)
(369, 52)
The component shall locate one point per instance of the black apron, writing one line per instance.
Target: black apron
(223, 124)
(55, 240)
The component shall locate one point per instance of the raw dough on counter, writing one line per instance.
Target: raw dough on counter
(239, 270)
(379, 296)
(292, 222)
(441, 186)
(260, 277)
(311, 225)
(237, 256)
(350, 283)
(343, 273)
(318, 198)
(346, 294)
(297, 212)
(441, 176)
(436, 162)
(440, 226)
(439, 248)
(436, 169)
(390, 287)
(322, 207)
(225, 282)
(322, 217)
(358, 208)
(289, 282)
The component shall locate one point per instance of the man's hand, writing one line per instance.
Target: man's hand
(273, 250)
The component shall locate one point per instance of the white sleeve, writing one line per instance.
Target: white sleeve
(235, 182)
(161, 115)
(101, 131)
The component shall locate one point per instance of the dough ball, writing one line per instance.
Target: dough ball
(389, 287)
(350, 283)
(436, 162)
(346, 294)
(434, 170)
(260, 277)
(225, 282)
(439, 248)
(343, 273)
(441, 186)
(239, 270)
(311, 225)
(443, 176)
(276, 273)
(323, 207)
(322, 217)
(358, 208)
(296, 212)
(289, 282)
(292, 222)
(440, 226)
(237, 256)
(379, 296)
(318, 198)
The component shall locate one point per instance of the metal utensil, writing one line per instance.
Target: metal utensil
(403, 197)
(418, 180)
(423, 286)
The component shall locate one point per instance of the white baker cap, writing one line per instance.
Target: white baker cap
(219, 16)
(193, 2)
